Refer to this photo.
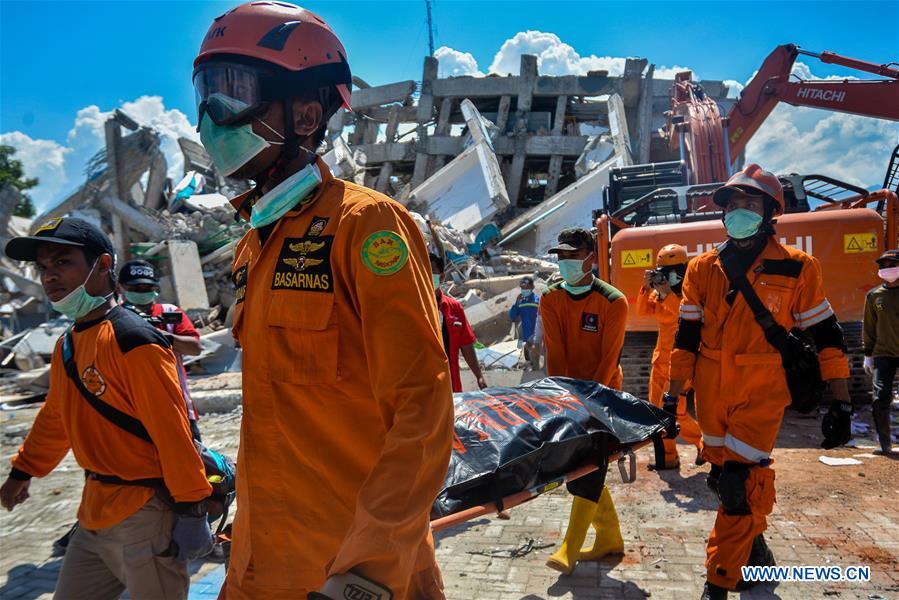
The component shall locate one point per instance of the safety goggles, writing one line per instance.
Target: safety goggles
(229, 93)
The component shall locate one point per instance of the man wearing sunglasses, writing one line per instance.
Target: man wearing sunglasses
(347, 406)
(738, 368)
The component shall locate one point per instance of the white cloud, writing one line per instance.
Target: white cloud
(44, 159)
(453, 63)
(60, 168)
(798, 139)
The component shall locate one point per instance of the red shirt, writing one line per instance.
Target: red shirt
(456, 333)
(184, 327)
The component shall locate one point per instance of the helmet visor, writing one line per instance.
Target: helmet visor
(229, 93)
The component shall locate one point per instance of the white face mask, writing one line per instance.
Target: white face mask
(79, 302)
(890, 275)
(284, 196)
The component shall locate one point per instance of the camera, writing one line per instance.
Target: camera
(658, 277)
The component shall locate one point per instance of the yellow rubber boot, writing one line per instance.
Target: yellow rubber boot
(566, 557)
(608, 531)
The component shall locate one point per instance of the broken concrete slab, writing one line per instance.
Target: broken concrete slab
(187, 274)
(502, 355)
(471, 298)
(466, 193)
(536, 231)
(494, 286)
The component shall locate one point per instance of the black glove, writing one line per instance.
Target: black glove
(191, 535)
(836, 426)
(669, 405)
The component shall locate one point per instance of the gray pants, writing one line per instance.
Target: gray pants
(101, 564)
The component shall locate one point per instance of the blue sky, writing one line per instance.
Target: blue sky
(59, 58)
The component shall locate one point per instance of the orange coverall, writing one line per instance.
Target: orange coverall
(133, 370)
(666, 312)
(584, 334)
(740, 386)
(348, 415)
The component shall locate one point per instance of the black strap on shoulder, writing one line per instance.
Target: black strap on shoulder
(774, 331)
(110, 413)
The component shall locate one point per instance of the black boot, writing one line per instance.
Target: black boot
(759, 556)
(882, 426)
(713, 592)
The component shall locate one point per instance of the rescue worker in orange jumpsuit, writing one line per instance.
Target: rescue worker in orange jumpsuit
(348, 417)
(584, 320)
(660, 297)
(740, 385)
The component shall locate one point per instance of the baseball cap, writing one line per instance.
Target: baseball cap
(574, 238)
(137, 272)
(888, 255)
(526, 280)
(69, 231)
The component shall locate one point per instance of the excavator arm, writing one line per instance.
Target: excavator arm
(771, 85)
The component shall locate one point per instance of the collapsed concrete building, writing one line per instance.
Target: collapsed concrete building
(492, 168)
(548, 133)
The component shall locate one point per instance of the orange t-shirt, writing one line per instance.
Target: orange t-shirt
(584, 333)
(128, 364)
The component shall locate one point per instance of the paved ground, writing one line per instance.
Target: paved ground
(824, 516)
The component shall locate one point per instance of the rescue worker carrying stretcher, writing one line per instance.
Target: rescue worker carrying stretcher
(584, 320)
(660, 297)
(348, 416)
(143, 511)
(739, 373)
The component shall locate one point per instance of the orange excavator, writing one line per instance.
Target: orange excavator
(843, 225)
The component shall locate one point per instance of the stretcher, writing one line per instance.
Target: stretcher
(512, 444)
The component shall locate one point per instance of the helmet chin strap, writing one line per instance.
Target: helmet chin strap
(290, 149)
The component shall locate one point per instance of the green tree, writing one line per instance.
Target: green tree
(11, 172)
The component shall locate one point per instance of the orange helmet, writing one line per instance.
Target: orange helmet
(670, 255)
(281, 34)
(752, 180)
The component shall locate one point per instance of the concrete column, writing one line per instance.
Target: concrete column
(555, 162)
(120, 239)
(526, 82)
(502, 116)
(425, 114)
(644, 118)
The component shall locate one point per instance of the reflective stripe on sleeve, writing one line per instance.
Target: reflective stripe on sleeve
(745, 450)
(816, 315)
(691, 312)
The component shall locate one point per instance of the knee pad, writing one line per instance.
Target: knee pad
(732, 488)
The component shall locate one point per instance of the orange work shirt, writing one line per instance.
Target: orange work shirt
(347, 407)
(788, 282)
(666, 311)
(128, 364)
(584, 333)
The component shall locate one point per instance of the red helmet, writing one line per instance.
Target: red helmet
(752, 180)
(282, 34)
(670, 255)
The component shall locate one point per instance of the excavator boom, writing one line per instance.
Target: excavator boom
(771, 85)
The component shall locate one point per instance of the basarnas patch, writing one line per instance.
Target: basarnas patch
(304, 264)
(384, 253)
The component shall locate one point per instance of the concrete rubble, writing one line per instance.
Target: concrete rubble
(492, 169)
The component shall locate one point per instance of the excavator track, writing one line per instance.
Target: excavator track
(636, 363)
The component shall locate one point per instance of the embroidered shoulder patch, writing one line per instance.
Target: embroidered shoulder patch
(384, 253)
